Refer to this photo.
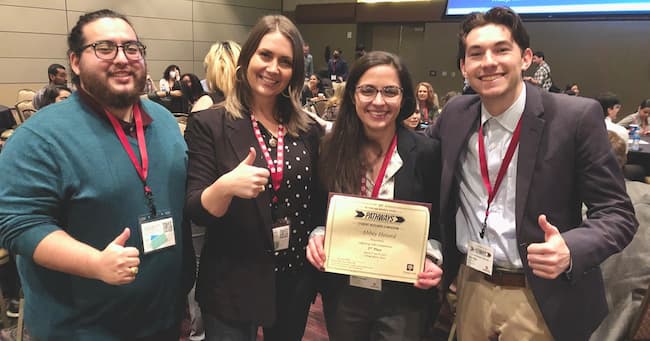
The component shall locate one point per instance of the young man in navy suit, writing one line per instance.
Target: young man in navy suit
(518, 163)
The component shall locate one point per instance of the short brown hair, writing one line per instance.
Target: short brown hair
(498, 16)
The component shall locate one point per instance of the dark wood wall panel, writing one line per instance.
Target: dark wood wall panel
(342, 13)
(346, 13)
(400, 12)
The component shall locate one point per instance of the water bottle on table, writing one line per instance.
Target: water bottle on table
(635, 136)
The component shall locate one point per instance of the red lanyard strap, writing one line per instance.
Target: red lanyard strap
(492, 191)
(277, 170)
(382, 170)
(141, 169)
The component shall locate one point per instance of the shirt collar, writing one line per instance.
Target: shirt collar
(510, 117)
(97, 109)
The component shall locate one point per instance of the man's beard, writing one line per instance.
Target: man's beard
(106, 96)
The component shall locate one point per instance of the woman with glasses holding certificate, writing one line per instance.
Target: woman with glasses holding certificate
(370, 153)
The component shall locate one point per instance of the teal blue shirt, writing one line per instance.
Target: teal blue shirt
(65, 169)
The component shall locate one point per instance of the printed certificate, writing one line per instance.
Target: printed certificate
(376, 238)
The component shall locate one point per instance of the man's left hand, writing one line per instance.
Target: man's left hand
(551, 258)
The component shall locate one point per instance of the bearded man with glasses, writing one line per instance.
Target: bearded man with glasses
(93, 197)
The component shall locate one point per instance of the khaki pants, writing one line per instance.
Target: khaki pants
(486, 311)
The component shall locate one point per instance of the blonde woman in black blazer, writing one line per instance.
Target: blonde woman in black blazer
(257, 214)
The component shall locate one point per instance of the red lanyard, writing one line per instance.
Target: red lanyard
(276, 171)
(492, 192)
(141, 169)
(424, 111)
(382, 170)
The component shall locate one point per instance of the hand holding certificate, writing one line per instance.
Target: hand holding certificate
(376, 238)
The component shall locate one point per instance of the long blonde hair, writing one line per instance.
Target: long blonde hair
(220, 63)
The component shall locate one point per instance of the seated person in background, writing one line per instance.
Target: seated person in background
(220, 65)
(325, 82)
(611, 106)
(572, 89)
(149, 86)
(169, 93)
(57, 75)
(641, 117)
(412, 122)
(313, 90)
(333, 104)
(192, 90)
(54, 94)
(171, 75)
(627, 274)
(427, 103)
(448, 96)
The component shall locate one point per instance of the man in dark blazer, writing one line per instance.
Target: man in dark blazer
(544, 282)
(337, 67)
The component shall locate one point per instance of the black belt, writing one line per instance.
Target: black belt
(507, 278)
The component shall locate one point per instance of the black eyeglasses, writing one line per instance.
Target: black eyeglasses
(369, 92)
(107, 50)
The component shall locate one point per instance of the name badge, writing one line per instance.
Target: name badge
(333, 77)
(281, 230)
(157, 232)
(480, 257)
(281, 237)
(365, 282)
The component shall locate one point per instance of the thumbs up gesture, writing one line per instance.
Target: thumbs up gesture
(117, 264)
(552, 257)
(247, 181)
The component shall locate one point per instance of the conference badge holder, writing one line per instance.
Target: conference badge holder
(157, 231)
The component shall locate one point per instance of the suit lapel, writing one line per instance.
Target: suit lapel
(241, 137)
(532, 127)
(405, 148)
(463, 124)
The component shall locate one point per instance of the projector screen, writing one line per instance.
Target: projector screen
(553, 7)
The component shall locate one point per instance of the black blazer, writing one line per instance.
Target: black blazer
(417, 180)
(565, 160)
(236, 276)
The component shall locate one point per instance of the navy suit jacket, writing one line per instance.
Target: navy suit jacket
(565, 159)
(338, 68)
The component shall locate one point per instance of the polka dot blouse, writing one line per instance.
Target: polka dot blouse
(293, 200)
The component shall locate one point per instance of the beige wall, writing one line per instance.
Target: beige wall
(33, 33)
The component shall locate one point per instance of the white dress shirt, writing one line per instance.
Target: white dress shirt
(618, 130)
(500, 233)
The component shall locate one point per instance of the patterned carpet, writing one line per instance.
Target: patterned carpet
(315, 330)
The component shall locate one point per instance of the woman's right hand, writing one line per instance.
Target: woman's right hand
(247, 181)
(315, 252)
